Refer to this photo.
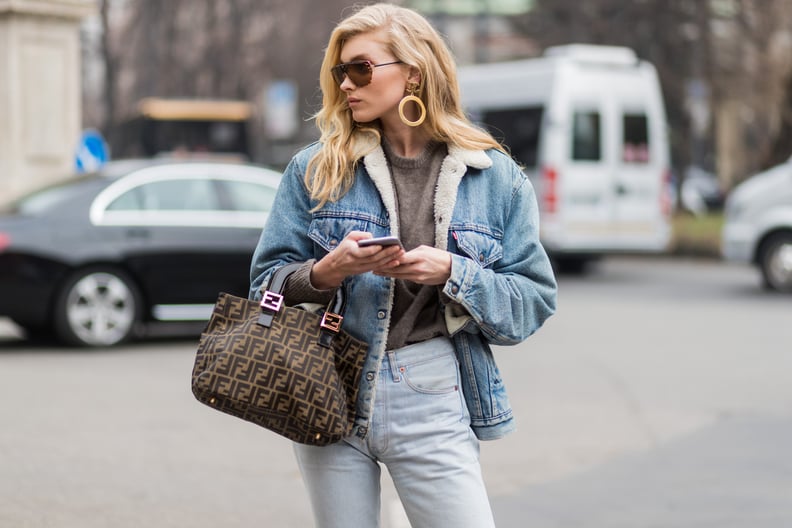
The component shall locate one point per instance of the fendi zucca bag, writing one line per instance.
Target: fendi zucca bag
(289, 370)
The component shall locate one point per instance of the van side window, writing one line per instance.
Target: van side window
(518, 129)
(636, 138)
(586, 143)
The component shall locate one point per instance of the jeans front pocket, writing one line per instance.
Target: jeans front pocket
(435, 375)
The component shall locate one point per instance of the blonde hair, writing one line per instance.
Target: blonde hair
(413, 41)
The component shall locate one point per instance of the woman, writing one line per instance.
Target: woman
(397, 156)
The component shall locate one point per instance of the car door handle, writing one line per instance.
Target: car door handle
(137, 232)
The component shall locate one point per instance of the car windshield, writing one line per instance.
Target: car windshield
(46, 198)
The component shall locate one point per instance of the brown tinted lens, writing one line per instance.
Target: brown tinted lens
(359, 72)
(338, 72)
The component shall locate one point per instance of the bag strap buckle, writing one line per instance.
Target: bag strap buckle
(271, 301)
(332, 322)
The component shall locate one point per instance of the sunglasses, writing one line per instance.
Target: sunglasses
(359, 72)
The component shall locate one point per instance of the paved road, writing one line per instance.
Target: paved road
(658, 396)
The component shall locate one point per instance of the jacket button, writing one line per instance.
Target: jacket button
(381, 314)
(362, 430)
(481, 257)
(455, 289)
(370, 376)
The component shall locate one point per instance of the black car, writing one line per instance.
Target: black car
(88, 259)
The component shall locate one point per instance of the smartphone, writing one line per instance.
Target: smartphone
(380, 241)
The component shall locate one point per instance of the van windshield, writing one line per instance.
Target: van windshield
(518, 129)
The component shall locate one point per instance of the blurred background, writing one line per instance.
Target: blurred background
(724, 68)
(659, 394)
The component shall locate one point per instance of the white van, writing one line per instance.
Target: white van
(588, 124)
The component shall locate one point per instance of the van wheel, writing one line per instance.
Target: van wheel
(775, 261)
(573, 265)
(97, 307)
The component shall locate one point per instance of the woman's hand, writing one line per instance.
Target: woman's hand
(422, 265)
(349, 259)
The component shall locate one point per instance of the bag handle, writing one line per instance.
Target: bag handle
(278, 280)
(272, 301)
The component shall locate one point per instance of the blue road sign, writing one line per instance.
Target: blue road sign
(92, 151)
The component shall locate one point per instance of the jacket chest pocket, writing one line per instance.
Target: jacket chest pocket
(329, 231)
(484, 248)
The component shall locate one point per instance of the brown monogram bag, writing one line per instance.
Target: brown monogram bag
(289, 370)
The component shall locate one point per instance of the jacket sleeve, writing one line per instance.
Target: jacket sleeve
(512, 299)
(284, 239)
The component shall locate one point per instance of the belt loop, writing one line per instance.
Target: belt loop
(394, 367)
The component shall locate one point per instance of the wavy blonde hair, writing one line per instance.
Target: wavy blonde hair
(413, 41)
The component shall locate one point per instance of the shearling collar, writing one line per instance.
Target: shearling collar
(452, 170)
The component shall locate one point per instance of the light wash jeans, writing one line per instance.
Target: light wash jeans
(420, 430)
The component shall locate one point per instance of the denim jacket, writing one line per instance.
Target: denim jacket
(501, 284)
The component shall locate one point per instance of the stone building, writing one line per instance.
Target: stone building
(40, 111)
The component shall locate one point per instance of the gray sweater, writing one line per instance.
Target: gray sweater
(416, 313)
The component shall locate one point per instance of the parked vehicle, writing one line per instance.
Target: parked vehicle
(588, 124)
(701, 192)
(758, 225)
(88, 259)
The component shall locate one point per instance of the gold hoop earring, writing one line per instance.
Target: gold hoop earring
(411, 97)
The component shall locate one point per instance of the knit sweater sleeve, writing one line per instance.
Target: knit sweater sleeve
(298, 288)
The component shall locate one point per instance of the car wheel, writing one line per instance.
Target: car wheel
(97, 307)
(776, 262)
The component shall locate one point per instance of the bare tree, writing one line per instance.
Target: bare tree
(781, 149)
(110, 68)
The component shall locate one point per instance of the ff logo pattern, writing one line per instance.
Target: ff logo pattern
(278, 377)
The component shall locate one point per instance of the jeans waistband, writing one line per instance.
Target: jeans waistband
(431, 348)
